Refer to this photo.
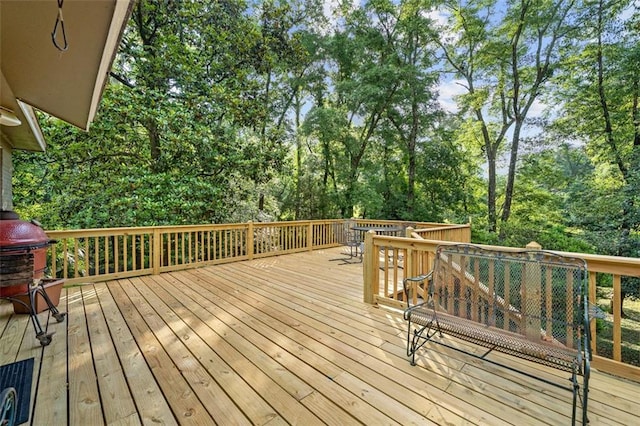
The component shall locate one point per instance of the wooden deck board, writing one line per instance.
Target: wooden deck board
(283, 340)
(280, 387)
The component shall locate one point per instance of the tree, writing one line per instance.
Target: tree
(504, 61)
(415, 111)
(600, 90)
(381, 92)
(552, 182)
(186, 131)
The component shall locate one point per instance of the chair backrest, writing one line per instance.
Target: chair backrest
(535, 293)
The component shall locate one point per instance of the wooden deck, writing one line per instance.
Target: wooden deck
(282, 340)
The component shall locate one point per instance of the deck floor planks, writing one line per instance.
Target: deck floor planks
(513, 400)
(229, 358)
(600, 400)
(547, 396)
(270, 359)
(116, 399)
(508, 393)
(209, 376)
(404, 363)
(373, 373)
(341, 361)
(50, 389)
(308, 314)
(322, 382)
(16, 329)
(185, 405)
(84, 396)
(326, 305)
(147, 396)
(383, 401)
(286, 311)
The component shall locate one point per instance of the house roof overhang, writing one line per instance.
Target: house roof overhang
(65, 84)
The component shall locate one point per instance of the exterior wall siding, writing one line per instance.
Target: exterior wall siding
(6, 192)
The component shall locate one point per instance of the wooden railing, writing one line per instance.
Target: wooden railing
(388, 260)
(460, 233)
(91, 255)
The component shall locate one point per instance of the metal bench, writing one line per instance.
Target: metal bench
(528, 303)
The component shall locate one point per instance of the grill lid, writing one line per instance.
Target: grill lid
(16, 234)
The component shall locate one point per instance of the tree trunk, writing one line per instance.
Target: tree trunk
(511, 177)
(298, 170)
(490, 150)
(413, 136)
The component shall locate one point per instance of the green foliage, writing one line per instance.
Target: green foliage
(230, 111)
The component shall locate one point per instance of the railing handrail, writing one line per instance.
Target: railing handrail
(441, 227)
(139, 229)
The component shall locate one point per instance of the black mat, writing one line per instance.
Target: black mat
(18, 375)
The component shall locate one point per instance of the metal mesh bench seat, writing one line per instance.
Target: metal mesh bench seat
(531, 304)
(552, 354)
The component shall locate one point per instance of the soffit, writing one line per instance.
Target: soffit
(69, 84)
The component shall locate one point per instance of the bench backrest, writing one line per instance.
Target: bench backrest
(535, 293)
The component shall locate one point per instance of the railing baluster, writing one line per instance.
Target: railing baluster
(617, 320)
(76, 255)
(65, 259)
(125, 252)
(96, 255)
(106, 255)
(592, 299)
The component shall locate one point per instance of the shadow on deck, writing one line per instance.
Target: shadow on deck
(282, 340)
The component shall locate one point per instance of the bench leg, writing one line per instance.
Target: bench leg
(578, 396)
(576, 390)
(412, 342)
(585, 390)
(413, 339)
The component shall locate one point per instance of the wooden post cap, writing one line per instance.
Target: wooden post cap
(534, 246)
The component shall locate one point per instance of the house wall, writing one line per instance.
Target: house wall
(6, 192)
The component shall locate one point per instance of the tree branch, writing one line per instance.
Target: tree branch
(122, 80)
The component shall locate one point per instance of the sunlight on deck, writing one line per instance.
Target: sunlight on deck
(282, 340)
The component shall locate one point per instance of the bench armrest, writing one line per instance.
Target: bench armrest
(409, 310)
(416, 280)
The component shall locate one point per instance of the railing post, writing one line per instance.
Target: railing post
(157, 247)
(408, 231)
(410, 268)
(310, 236)
(532, 296)
(369, 269)
(250, 240)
